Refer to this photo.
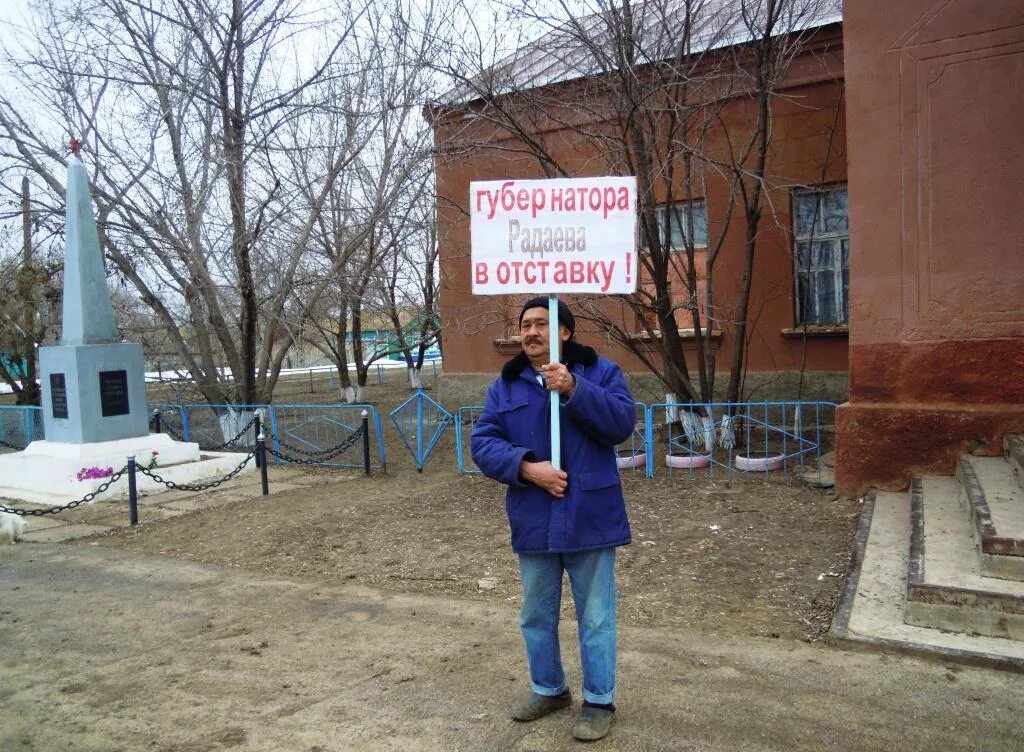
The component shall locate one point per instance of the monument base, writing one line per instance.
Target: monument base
(55, 473)
(93, 393)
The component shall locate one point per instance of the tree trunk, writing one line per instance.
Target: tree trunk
(752, 213)
(29, 393)
(232, 103)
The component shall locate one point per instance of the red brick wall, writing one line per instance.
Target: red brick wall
(809, 121)
(937, 283)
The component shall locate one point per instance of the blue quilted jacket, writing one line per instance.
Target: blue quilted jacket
(516, 425)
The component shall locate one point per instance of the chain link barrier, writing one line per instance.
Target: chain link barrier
(316, 458)
(164, 428)
(320, 457)
(117, 476)
(199, 487)
(237, 436)
(70, 505)
(319, 452)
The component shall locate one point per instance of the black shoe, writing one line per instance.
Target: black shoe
(592, 723)
(537, 706)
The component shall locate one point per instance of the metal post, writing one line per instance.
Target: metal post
(311, 389)
(554, 336)
(156, 421)
(366, 442)
(261, 460)
(419, 431)
(133, 497)
(258, 429)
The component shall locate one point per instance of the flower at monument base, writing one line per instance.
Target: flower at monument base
(90, 473)
(153, 462)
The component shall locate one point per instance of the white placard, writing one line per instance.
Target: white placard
(554, 236)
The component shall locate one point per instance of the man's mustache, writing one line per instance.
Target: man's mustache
(534, 341)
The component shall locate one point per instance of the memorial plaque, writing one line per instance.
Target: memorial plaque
(114, 393)
(58, 395)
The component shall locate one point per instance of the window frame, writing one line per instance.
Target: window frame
(660, 211)
(837, 238)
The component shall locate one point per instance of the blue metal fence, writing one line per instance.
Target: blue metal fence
(738, 437)
(717, 438)
(420, 421)
(309, 429)
(20, 426)
(305, 429)
(632, 455)
(213, 427)
(465, 419)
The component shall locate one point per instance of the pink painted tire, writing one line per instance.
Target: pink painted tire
(633, 460)
(687, 461)
(759, 464)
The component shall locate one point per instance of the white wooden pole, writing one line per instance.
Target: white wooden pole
(555, 338)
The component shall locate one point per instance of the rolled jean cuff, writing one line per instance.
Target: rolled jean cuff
(547, 691)
(606, 699)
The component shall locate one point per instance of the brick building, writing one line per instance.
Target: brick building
(798, 296)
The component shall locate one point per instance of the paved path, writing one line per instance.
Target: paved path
(104, 650)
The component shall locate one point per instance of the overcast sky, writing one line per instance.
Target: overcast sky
(13, 10)
(12, 15)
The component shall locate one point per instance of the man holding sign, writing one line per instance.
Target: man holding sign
(565, 515)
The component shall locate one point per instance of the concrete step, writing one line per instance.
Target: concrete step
(1014, 450)
(946, 588)
(871, 608)
(995, 502)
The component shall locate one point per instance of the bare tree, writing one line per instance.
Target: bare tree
(410, 286)
(377, 231)
(679, 93)
(30, 294)
(190, 113)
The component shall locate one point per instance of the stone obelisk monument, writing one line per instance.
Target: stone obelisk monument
(93, 389)
(93, 384)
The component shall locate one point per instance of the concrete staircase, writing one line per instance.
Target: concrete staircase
(940, 571)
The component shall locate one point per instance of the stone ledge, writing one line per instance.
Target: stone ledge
(508, 345)
(995, 511)
(651, 340)
(816, 330)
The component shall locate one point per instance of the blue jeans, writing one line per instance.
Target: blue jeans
(592, 579)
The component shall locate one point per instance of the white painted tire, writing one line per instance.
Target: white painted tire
(761, 464)
(687, 461)
(632, 460)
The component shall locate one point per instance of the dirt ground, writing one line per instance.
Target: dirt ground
(346, 613)
(751, 555)
(756, 558)
(106, 650)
